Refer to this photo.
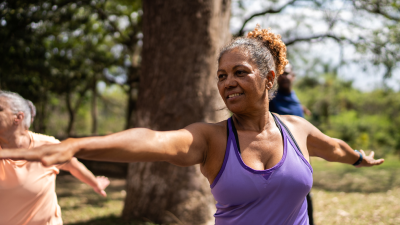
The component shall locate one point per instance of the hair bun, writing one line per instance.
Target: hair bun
(275, 45)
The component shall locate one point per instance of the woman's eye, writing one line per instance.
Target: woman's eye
(239, 72)
(221, 76)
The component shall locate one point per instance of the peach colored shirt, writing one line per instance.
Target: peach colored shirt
(27, 190)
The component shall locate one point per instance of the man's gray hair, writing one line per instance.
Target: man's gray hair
(18, 104)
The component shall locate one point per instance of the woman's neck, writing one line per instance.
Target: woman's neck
(18, 138)
(255, 122)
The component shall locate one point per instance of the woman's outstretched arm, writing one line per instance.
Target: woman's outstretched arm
(336, 150)
(183, 147)
(320, 145)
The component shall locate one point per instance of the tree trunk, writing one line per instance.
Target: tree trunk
(94, 107)
(40, 120)
(132, 98)
(72, 109)
(71, 114)
(177, 87)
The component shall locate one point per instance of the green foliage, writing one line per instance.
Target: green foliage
(382, 43)
(365, 120)
(111, 109)
(60, 49)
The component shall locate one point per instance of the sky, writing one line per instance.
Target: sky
(303, 20)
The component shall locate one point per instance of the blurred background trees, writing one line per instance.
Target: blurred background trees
(365, 120)
(63, 55)
(365, 32)
(65, 50)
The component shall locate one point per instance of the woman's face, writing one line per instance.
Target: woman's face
(7, 117)
(240, 84)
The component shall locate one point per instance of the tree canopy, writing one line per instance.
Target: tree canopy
(65, 48)
(56, 53)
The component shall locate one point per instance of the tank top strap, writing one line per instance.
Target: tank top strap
(228, 149)
(233, 133)
(285, 131)
(229, 126)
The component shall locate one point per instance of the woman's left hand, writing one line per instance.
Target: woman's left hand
(368, 160)
(102, 183)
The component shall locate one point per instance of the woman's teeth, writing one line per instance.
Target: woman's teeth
(233, 95)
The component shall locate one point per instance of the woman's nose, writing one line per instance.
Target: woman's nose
(230, 82)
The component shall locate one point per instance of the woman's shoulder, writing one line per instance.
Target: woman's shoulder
(296, 124)
(208, 128)
(42, 139)
(292, 120)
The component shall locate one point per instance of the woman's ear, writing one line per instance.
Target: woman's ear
(19, 117)
(269, 82)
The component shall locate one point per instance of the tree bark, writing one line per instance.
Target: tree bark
(71, 114)
(73, 109)
(40, 121)
(177, 87)
(132, 97)
(94, 106)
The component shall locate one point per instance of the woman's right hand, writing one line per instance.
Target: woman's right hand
(47, 154)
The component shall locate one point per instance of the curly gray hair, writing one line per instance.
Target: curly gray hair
(18, 104)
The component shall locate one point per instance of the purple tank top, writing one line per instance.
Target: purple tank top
(273, 196)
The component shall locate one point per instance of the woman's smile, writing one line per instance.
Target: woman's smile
(234, 96)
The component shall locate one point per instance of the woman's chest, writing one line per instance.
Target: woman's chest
(239, 183)
(26, 180)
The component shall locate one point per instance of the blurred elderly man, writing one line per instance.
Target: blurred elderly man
(285, 101)
(27, 189)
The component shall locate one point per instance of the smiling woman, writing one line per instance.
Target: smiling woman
(27, 189)
(257, 163)
(265, 49)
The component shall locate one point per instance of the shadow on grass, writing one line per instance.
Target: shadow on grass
(89, 199)
(111, 220)
(364, 180)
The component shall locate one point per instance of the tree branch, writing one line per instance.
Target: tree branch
(308, 38)
(269, 11)
(376, 9)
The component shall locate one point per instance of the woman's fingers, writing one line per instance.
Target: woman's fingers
(379, 161)
(369, 159)
(52, 160)
(102, 183)
(372, 154)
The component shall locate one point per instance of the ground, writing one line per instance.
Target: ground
(341, 194)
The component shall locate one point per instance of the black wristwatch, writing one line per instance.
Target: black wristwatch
(358, 162)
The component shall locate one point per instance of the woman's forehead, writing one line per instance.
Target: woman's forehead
(3, 102)
(234, 57)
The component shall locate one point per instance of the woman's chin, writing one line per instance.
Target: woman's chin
(237, 109)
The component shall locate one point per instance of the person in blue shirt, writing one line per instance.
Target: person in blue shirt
(286, 102)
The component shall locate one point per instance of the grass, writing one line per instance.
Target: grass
(342, 194)
(81, 205)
